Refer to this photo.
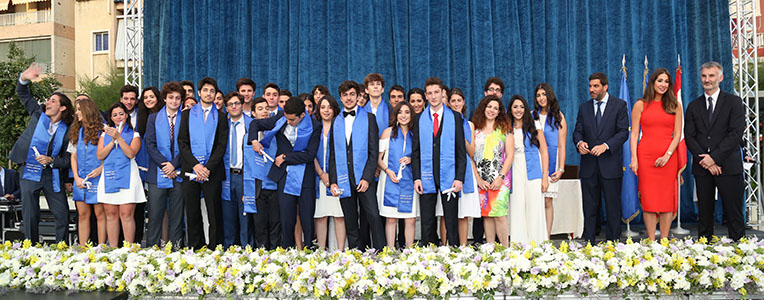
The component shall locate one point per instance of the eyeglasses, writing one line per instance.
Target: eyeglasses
(494, 90)
(231, 104)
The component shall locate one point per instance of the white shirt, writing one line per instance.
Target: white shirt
(171, 120)
(291, 133)
(53, 127)
(714, 98)
(440, 116)
(134, 118)
(206, 112)
(349, 124)
(2, 181)
(273, 112)
(239, 142)
(603, 105)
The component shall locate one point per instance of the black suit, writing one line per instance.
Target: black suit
(11, 184)
(289, 204)
(211, 188)
(30, 190)
(427, 202)
(720, 138)
(601, 175)
(368, 199)
(267, 220)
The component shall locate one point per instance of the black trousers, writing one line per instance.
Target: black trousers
(427, 204)
(370, 211)
(731, 192)
(592, 190)
(267, 220)
(195, 228)
(30, 206)
(288, 205)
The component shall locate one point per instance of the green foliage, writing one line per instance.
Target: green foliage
(13, 115)
(103, 91)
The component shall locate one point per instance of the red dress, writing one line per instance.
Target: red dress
(657, 185)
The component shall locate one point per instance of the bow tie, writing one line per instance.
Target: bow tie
(346, 113)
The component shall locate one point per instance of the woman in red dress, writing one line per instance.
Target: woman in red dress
(659, 115)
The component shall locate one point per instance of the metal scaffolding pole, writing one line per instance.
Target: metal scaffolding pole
(133, 16)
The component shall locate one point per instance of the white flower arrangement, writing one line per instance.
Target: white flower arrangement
(647, 268)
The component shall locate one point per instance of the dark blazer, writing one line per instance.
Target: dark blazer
(156, 158)
(21, 147)
(11, 184)
(613, 130)
(460, 150)
(720, 138)
(284, 147)
(215, 161)
(370, 168)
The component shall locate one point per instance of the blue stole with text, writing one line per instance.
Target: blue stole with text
(40, 140)
(360, 142)
(250, 171)
(226, 193)
(401, 194)
(162, 127)
(532, 161)
(551, 135)
(116, 166)
(447, 151)
(262, 166)
(382, 116)
(469, 177)
(323, 161)
(87, 161)
(295, 173)
(202, 134)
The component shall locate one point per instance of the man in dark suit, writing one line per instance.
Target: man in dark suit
(434, 133)
(202, 149)
(297, 137)
(163, 181)
(267, 220)
(602, 126)
(713, 129)
(353, 156)
(10, 189)
(47, 168)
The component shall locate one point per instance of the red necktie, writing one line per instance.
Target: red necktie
(435, 124)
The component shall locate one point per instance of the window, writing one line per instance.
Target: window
(101, 41)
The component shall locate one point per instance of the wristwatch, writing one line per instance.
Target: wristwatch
(502, 176)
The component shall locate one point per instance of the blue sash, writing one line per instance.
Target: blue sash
(295, 173)
(226, 193)
(401, 194)
(360, 142)
(532, 161)
(142, 160)
(551, 135)
(323, 161)
(202, 135)
(262, 166)
(250, 205)
(382, 116)
(162, 127)
(468, 186)
(116, 166)
(40, 139)
(87, 161)
(447, 153)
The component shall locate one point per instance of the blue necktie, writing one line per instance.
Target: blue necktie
(710, 108)
(598, 116)
(234, 144)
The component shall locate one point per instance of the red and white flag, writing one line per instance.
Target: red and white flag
(681, 150)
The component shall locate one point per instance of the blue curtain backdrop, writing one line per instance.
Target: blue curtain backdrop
(298, 44)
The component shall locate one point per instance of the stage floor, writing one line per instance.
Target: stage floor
(719, 230)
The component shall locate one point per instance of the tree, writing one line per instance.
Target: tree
(103, 92)
(13, 117)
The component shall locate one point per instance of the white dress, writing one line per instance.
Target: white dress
(326, 205)
(554, 187)
(469, 204)
(387, 211)
(527, 218)
(134, 194)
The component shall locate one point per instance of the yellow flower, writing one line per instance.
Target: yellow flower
(26, 244)
(703, 240)
(665, 242)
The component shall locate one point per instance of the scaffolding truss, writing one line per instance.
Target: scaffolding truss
(133, 16)
(745, 43)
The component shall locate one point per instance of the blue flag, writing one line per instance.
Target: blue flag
(629, 197)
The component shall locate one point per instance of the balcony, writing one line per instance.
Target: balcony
(12, 19)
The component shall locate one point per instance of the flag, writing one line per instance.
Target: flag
(629, 196)
(681, 150)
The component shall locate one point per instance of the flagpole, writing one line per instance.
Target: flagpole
(628, 233)
(679, 230)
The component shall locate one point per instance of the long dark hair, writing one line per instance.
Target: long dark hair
(553, 115)
(143, 112)
(394, 118)
(332, 103)
(457, 91)
(68, 114)
(113, 107)
(529, 127)
(670, 103)
(502, 119)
